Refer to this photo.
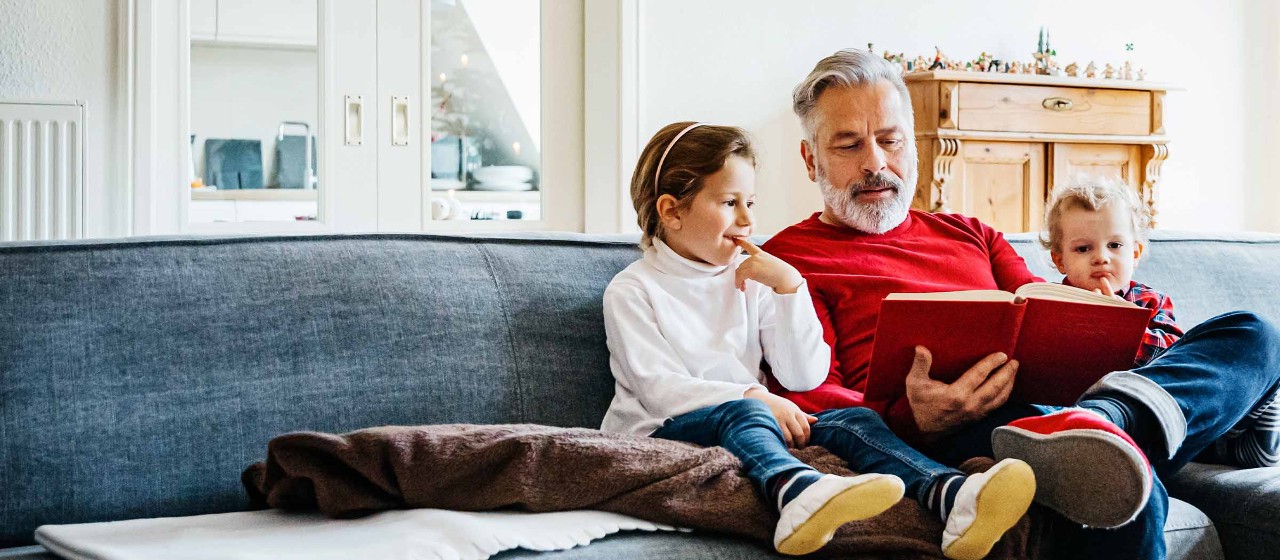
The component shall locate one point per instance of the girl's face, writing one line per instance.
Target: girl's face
(704, 230)
(1097, 245)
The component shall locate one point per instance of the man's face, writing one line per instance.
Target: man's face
(863, 157)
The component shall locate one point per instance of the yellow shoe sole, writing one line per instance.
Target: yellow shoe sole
(1001, 503)
(859, 502)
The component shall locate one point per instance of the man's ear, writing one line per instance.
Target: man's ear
(806, 153)
(1057, 261)
(669, 212)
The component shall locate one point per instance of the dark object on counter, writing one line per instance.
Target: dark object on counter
(515, 215)
(233, 163)
(291, 161)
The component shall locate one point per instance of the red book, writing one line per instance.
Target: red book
(1064, 338)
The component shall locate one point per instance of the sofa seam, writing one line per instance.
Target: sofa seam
(128, 243)
(511, 338)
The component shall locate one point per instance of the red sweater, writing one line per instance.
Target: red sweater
(849, 272)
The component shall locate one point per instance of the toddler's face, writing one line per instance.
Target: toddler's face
(1097, 245)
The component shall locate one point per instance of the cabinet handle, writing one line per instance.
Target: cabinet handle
(354, 120)
(399, 121)
(1057, 104)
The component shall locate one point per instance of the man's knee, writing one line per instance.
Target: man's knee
(1261, 334)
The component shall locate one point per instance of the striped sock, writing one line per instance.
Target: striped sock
(942, 494)
(786, 486)
(1255, 440)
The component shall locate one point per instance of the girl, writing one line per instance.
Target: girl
(688, 326)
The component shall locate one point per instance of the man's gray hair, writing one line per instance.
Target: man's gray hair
(848, 68)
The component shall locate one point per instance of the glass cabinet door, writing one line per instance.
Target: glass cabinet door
(253, 111)
(485, 110)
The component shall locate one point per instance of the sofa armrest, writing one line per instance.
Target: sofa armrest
(1244, 505)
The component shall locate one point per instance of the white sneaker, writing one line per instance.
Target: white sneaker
(810, 519)
(987, 505)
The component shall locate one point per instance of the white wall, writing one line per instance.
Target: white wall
(68, 50)
(245, 92)
(736, 62)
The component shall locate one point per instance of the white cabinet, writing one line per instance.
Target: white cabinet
(285, 23)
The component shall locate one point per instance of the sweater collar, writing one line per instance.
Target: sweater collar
(668, 261)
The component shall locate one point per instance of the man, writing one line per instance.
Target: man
(1091, 461)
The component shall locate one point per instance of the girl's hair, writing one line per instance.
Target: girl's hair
(702, 151)
(1091, 193)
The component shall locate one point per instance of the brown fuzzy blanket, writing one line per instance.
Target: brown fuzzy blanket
(540, 469)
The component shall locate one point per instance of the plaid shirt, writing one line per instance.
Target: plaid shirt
(1163, 329)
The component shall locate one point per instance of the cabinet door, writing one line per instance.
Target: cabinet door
(1075, 161)
(267, 21)
(1001, 183)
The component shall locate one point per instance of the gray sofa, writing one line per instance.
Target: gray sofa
(138, 377)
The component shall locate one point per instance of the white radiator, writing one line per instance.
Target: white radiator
(41, 170)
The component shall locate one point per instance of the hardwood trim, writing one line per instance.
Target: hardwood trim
(1157, 112)
(1153, 156)
(946, 151)
(948, 104)
(1043, 137)
(1034, 79)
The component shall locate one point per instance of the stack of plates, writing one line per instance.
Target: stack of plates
(503, 178)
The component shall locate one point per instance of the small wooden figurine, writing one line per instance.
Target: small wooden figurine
(1127, 72)
(1072, 69)
(1142, 74)
(1109, 72)
(1091, 71)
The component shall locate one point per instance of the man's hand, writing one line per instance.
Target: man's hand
(939, 408)
(793, 421)
(765, 269)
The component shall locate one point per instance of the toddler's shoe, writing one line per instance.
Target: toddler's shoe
(809, 520)
(1086, 468)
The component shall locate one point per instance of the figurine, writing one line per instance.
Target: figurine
(1142, 74)
(1054, 70)
(1127, 73)
(1091, 71)
(1072, 70)
(938, 63)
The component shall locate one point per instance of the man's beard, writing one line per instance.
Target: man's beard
(873, 217)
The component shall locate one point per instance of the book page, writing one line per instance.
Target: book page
(965, 295)
(1060, 292)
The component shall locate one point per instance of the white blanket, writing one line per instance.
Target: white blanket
(272, 534)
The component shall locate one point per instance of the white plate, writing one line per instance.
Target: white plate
(503, 174)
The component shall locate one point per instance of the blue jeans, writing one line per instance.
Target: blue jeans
(1217, 373)
(747, 429)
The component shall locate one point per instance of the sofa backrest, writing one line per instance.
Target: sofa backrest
(138, 378)
(1204, 274)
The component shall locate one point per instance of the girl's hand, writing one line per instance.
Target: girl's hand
(793, 422)
(766, 269)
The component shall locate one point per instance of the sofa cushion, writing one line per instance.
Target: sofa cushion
(1244, 504)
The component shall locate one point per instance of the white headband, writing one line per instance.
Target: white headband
(658, 172)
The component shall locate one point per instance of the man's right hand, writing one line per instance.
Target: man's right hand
(793, 422)
(939, 407)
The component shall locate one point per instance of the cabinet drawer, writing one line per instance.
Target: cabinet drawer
(1069, 110)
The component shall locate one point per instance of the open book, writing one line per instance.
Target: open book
(1064, 338)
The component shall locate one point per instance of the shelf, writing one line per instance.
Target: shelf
(1038, 80)
(256, 194)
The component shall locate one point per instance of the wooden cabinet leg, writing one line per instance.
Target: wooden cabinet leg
(1153, 156)
(946, 151)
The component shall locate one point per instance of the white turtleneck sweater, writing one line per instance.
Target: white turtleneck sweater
(682, 337)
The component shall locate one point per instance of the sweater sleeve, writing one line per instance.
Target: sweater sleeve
(645, 364)
(1007, 267)
(791, 338)
(831, 393)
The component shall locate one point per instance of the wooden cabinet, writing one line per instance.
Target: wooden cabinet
(993, 146)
